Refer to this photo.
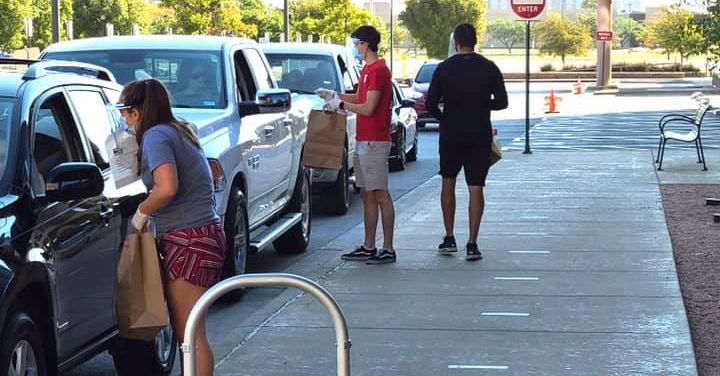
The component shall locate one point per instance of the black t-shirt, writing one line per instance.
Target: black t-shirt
(470, 86)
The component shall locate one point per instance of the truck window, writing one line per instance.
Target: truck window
(263, 80)
(347, 79)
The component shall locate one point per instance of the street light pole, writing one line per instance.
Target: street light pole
(55, 21)
(286, 23)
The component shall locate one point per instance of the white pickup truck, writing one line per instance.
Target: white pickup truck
(252, 132)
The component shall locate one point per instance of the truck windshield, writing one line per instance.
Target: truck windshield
(194, 78)
(303, 73)
(7, 118)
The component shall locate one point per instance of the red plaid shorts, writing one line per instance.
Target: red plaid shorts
(195, 255)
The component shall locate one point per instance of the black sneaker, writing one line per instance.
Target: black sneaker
(473, 253)
(382, 257)
(448, 245)
(359, 254)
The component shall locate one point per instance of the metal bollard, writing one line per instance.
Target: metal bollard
(199, 312)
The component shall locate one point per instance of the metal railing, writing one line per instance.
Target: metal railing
(199, 312)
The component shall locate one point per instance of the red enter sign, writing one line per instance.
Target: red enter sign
(527, 9)
(604, 36)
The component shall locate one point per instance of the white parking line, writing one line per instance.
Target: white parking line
(517, 278)
(469, 366)
(516, 314)
(531, 252)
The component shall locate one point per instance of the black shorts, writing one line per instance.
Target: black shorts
(474, 158)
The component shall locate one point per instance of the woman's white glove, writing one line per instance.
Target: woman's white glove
(139, 220)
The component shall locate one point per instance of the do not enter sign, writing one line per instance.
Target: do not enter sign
(527, 9)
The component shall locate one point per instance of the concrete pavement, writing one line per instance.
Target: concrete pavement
(578, 278)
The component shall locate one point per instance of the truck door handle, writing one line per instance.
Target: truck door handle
(287, 122)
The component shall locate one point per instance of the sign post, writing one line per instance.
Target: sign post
(527, 10)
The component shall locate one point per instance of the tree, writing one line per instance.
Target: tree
(12, 23)
(628, 31)
(590, 4)
(210, 17)
(160, 19)
(710, 25)
(90, 16)
(562, 37)
(400, 35)
(506, 32)
(431, 21)
(334, 19)
(42, 22)
(676, 31)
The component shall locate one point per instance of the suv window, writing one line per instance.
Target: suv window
(303, 73)
(194, 78)
(259, 70)
(7, 114)
(90, 107)
(425, 73)
(55, 137)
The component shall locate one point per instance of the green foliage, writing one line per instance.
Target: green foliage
(160, 19)
(590, 4)
(42, 22)
(212, 17)
(431, 21)
(12, 23)
(507, 32)
(676, 31)
(334, 19)
(711, 30)
(90, 16)
(562, 37)
(627, 30)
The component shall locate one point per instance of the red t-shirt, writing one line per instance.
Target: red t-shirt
(375, 76)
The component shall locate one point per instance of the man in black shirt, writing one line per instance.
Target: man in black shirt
(469, 86)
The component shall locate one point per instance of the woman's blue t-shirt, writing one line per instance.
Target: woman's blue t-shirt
(194, 203)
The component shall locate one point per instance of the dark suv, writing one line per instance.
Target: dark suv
(62, 222)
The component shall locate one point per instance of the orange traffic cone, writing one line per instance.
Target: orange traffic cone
(550, 103)
(578, 87)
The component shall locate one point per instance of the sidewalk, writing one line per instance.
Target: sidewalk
(578, 278)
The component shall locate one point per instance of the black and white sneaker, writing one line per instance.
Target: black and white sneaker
(359, 254)
(448, 245)
(383, 257)
(473, 253)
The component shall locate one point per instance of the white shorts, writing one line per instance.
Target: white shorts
(371, 164)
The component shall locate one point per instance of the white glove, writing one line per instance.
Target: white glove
(325, 94)
(334, 103)
(139, 220)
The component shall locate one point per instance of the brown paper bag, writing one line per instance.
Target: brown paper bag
(495, 151)
(325, 140)
(141, 308)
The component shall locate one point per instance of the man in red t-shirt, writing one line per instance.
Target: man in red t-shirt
(372, 104)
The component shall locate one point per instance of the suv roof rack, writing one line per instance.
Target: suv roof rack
(40, 68)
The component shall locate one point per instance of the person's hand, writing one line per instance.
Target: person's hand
(334, 104)
(139, 220)
(325, 94)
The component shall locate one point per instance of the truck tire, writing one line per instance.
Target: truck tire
(237, 230)
(412, 154)
(297, 238)
(338, 194)
(21, 350)
(134, 357)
